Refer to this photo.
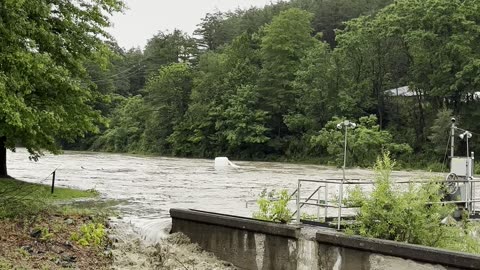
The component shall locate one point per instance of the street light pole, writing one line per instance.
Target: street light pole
(345, 153)
(345, 124)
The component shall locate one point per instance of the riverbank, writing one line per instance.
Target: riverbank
(41, 230)
(39, 233)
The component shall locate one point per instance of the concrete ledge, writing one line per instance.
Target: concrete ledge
(236, 222)
(403, 250)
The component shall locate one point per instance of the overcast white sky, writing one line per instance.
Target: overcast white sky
(144, 18)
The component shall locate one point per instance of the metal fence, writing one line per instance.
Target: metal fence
(327, 201)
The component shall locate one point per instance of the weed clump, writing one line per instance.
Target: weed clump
(91, 234)
(273, 206)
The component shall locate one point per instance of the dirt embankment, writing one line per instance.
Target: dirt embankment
(45, 242)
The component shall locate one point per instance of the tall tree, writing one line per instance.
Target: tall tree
(212, 32)
(167, 96)
(431, 46)
(43, 49)
(126, 127)
(194, 136)
(168, 48)
(241, 122)
(284, 43)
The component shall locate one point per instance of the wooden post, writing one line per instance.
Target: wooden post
(53, 181)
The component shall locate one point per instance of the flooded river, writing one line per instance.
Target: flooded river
(149, 186)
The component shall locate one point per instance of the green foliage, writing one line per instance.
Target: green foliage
(413, 215)
(243, 124)
(44, 87)
(165, 49)
(273, 206)
(261, 83)
(283, 44)
(440, 131)
(127, 127)
(166, 96)
(5, 265)
(365, 142)
(315, 84)
(91, 234)
(45, 234)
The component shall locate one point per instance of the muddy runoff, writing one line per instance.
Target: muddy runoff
(147, 187)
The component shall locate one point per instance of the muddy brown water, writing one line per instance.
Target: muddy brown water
(149, 186)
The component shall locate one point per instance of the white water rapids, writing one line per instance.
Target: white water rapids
(149, 186)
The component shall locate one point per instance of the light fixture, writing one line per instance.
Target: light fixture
(346, 123)
(466, 134)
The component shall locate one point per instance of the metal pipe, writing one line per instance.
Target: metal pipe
(448, 202)
(340, 193)
(311, 196)
(322, 204)
(326, 201)
(318, 201)
(298, 202)
(468, 153)
(468, 184)
(371, 183)
(452, 140)
(472, 168)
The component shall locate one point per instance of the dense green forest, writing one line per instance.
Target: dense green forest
(272, 83)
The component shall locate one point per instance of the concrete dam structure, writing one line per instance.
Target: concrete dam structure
(254, 244)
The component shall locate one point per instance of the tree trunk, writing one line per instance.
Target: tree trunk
(3, 158)
(422, 116)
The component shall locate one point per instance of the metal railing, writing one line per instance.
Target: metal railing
(469, 202)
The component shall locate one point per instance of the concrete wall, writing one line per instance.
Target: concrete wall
(248, 244)
(253, 244)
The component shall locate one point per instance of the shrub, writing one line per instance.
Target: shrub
(413, 215)
(273, 206)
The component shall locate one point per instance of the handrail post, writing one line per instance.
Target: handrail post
(318, 202)
(340, 204)
(326, 201)
(298, 202)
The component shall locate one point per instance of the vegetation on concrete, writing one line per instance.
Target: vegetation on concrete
(413, 215)
(273, 206)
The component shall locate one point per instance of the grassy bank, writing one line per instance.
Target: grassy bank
(38, 233)
(19, 199)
